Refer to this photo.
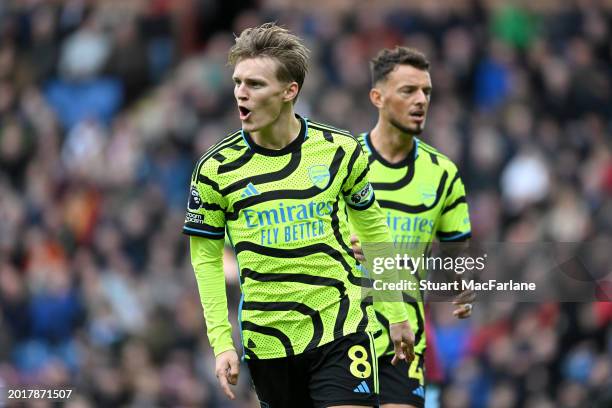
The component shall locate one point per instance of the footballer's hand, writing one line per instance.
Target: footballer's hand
(403, 341)
(227, 368)
(357, 248)
(464, 301)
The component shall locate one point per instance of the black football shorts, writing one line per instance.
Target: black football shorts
(401, 383)
(342, 372)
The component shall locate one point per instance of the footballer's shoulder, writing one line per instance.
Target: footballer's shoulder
(330, 132)
(226, 150)
(334, 135)
(436, 156)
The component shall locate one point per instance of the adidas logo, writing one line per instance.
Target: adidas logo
(362, 388)
(419, 392)
(249, 191)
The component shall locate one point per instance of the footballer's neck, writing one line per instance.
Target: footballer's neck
(281, 131)
(391, 143)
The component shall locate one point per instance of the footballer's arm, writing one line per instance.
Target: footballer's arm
(207, 261)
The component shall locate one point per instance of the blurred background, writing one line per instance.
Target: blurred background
(105, 105)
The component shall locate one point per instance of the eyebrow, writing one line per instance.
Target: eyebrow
(249, 79)
(415, 86)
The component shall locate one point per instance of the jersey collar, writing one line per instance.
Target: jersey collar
(407, 161)
(291, 147)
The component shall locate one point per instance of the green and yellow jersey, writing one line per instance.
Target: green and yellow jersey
(286, 214)
(423, 199)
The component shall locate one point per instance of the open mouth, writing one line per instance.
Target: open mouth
(244, 112)
(417, 115)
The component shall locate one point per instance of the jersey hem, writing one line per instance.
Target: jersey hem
(270, 356)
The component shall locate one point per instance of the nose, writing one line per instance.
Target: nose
(240, 92)
(421, 98)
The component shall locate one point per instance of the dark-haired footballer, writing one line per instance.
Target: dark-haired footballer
(421, 195)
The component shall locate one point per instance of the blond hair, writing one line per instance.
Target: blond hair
(270, 40)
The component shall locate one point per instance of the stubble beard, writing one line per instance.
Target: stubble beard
(412, 131)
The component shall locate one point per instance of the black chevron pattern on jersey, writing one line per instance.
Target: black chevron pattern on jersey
(237, 147)
(213, 184)
(365, 303)
(454, 204)
(361, 176)
(302, 252)
(308, 280)
(293, 277)
(396, 185)
(250, 354)
(351, 164)
(268, 331)
(219, 157)
(452, 184)
(384, 332)
(328, 136)
(323, 127)
(317, 323)
(283, 173)
(434, 158)
(415, 209)
(236, 164)
(335, 222)
(285, 194)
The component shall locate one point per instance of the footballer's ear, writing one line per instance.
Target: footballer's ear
(291, 91)
(376, 97)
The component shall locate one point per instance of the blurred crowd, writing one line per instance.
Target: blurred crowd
(106, 105)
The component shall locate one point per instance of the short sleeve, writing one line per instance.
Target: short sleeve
(357, 190)
(454, 224)
(205, 216)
